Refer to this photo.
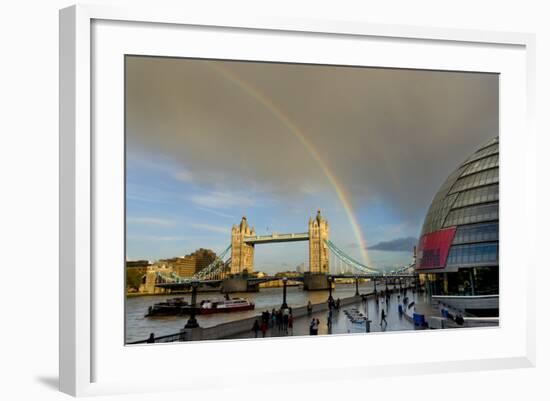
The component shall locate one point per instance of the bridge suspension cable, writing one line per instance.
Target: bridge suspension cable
(403, 269)
(349, 261)
(214, 269)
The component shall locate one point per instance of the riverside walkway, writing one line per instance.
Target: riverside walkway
(340, 322)
(372, 308)
(395, 321)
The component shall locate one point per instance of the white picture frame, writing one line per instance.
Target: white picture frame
(88, 359)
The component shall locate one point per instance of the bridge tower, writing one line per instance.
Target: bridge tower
(318, 249)
(242, 254)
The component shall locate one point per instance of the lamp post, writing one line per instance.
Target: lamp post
(284, 305)
(192, 322)
(330, 299)
(367, 321)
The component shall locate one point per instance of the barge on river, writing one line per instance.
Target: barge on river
(178, 306)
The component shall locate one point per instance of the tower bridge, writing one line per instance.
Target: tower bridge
(233, 269)
(244, 240)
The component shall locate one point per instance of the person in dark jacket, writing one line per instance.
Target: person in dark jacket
(256, 328)
(383, 317)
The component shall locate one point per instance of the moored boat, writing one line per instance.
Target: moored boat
(225, 306)
(170, 307)
(178, 306)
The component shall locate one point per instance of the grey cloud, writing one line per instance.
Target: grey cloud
(398, 244)
(386, 134)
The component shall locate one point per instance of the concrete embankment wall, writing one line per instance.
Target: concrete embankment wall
(434, 319)
(469, 302)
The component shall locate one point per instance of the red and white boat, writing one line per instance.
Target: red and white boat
(225, 306)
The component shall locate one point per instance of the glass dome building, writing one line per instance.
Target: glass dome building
(457, 253)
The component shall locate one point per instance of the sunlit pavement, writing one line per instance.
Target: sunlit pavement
(341, 324)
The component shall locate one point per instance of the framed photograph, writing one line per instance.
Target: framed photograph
(293, 189)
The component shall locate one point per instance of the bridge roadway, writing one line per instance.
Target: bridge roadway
(186, 284)
(273, 238)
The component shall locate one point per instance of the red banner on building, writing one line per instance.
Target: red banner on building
(434, 248)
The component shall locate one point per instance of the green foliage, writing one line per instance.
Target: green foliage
(134, 278)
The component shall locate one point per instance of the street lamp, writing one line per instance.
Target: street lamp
(330, 299)
(192, 322)
(284, 305)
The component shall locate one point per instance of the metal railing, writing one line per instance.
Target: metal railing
(169, 338)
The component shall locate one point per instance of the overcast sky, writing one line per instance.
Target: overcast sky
(210, 141)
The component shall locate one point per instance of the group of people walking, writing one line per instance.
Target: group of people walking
(281, 319)
(383, 302)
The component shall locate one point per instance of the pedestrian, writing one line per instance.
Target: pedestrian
(273, 318)
(309, 308)
(256, 328)
(263, 328)
(311, 324)
(338, 304)
(383, 317)
(290, 323)
(285, 321)
(314, 327)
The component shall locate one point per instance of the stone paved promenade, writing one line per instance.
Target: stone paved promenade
(342, 325)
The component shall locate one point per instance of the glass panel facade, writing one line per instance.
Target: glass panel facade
(484, 232)
(472, 214)
(477, 195)
(436, 217)
(490, 142)
(467, 203)
(473, 255)
(460, 283)
(475, 180)
(487, 151)
(486, 280)
(441, 204)
(481, 164)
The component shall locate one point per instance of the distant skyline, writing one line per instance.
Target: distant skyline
(208, 142)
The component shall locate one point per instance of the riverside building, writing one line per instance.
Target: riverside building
(458, 256)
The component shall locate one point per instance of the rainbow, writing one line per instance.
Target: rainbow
(285, 120)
